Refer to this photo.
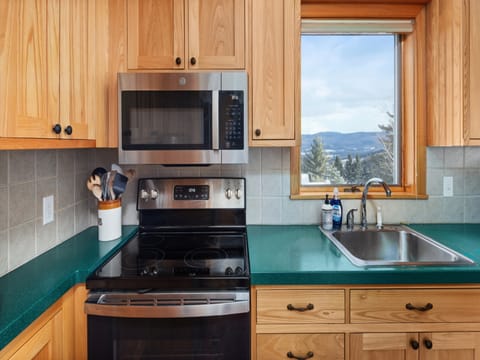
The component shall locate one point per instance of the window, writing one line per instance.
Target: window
(363, 107)
(351, 123)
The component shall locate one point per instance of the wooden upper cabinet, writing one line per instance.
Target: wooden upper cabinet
(25, 31)
(156, 34)
(186, 34)
(474, 73)
(47, 66)
(453, 63)
(216, 34)
(274, 75)
(76, 69)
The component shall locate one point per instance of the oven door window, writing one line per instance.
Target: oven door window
(166, 120)
(212, 338)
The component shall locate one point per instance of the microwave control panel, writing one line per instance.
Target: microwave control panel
(231, 118)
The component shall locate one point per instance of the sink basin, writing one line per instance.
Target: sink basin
(393, 246)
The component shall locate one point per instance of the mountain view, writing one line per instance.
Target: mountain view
(341, 145)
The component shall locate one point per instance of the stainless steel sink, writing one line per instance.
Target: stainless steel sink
(393, 246)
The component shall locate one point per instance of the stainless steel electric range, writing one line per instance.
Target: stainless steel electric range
(180, 288)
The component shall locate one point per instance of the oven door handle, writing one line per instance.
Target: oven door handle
(148, 306)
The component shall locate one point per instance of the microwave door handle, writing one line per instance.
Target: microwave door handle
(215, 122)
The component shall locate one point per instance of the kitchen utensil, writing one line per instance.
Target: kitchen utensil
(99, 171)
(119, 184)
(130, 174)
(104, 186)
(97, 191)
(111, 177)
(117, 168)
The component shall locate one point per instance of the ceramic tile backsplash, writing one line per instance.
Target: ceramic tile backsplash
(28, 176)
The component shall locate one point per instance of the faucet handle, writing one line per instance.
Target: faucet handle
(350, 219)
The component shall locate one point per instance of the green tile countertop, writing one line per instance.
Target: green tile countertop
(302, 255)
(29, 290)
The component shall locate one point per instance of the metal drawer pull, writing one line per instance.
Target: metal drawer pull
(301, 309)
(427, 307)
(308, 356)
(415, 345)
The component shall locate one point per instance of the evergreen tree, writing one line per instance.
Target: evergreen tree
(339, 166)
(315, 163)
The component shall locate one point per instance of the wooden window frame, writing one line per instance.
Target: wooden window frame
(414, 103)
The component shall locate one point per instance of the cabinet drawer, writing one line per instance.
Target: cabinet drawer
(323, 346)
(300, 306)
(415, 305)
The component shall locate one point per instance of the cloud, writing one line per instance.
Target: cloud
(347, 82)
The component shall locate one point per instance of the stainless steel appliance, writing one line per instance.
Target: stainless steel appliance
(180, 288)
(183, 118)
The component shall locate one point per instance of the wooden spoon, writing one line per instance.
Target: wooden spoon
(97, 191)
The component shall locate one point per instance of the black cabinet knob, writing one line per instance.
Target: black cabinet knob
(178, 60)
(258, 132)
(68, 130)
(193, 61)
(57, 129)
(415, 345)
(428, 344)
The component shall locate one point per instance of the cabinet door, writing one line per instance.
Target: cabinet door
(446, 79)
(216, 34)
(156, 34)
(275, 36)
(45, 344)
(450, 346)
(110, 58)
(77, 69)
(391, 346)
(300, 346)
(474, 76)
(27, 30)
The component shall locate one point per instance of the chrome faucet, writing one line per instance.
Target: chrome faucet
(363, 207)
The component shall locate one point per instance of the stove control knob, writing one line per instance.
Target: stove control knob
(238, 271)
(228, 193)
(229, 271)
(144, 194)
(153, 194)
(238, 194)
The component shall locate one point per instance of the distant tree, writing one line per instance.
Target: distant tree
(316, 164)
(386, 160)
(315, 161)
(339, 166)
(353, 170)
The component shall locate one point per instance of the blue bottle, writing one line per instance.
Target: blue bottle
(337, 210)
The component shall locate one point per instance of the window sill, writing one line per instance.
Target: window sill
(396, 195)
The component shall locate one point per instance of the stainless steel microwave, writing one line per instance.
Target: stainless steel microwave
(183, 118)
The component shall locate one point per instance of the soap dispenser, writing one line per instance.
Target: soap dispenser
(327, 220)
(337, 210)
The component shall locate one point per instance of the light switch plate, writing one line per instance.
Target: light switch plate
(448, 186)
(48, 209)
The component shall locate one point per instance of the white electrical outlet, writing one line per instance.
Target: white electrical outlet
(448, 186)
(48, 209)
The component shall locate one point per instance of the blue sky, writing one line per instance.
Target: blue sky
(347, 82)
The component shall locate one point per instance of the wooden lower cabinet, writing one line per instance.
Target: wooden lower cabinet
(410, 322)
(59, 333)
(415, 346)
(300, 346)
